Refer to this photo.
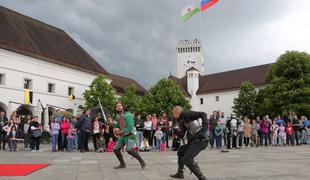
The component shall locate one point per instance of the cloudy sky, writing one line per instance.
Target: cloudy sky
(137, 38)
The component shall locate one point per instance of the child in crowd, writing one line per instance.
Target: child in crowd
(247, 132)
(12, 139)
(55, 127)
(274, 132)
(101, 144)
(176, 143)
(71, 138)
(282, 135)
(111, 145)
(289, 134)
(158, 135)
(219, 130)
(255, 129)
(145, 145)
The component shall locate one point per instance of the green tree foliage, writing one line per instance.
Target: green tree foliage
(289, 84)
(131, 100)
(99, 88)
(163, 96)
(245, 103)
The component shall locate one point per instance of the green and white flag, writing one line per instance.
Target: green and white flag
(189, 11)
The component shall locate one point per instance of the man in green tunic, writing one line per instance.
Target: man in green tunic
(127, 137)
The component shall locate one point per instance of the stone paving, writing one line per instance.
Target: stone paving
(266, 163)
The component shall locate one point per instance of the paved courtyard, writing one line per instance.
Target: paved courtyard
(267, 163)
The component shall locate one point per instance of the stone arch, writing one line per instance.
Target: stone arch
(25, 111)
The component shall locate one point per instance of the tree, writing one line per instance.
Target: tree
(289, 84)
(131, 100)
(99, 88)
(163, 96)
(245, 103)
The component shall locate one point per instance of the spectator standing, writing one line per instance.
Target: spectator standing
(64, 126)
(305, 124)
(3, 122)
(219, 132)
(96, 130)
(264, 130)
(289, 134)
(255, 129)
(108, 131)
(84, 128)
(12, 138)
(148, 129)
(139, 127)
(154, 128)
(241, 131)
(296, 123)
(71, 138)
(55, 127)
(158, 135)
(36, 134)
(223, 121)
(166, 128)
(6, 130)
(274, 133)
(176, 143)
(247, 132)
(26, 134)
(213, 124)
(163, 124)
(282, 135)
(74, 123)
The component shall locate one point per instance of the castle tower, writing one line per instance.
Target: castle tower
(189, 54)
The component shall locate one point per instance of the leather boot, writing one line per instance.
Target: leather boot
(120, 159)
(136, 155)
(196, 170)
(180, 172)
(178, 175)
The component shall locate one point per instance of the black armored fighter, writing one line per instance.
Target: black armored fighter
(196, 126)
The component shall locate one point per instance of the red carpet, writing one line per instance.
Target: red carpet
(19, 169)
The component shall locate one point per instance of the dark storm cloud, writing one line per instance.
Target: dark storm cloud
(137, 38)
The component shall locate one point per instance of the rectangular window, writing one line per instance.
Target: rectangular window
(2, 79)
(51, 88)
(27, 84)
(217, 98)
(201, 100)
(70, 91)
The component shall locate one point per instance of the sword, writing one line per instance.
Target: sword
(105, 119)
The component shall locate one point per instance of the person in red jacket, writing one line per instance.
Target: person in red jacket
(64, 126)
(289, 134)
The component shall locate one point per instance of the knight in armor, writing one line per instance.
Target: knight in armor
(232, 133)
(196, 126)
(126, 125)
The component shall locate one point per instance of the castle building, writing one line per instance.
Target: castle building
(212, 92)
(45, 61)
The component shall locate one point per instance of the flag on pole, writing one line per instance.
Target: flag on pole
(189, 11)
(205, 4)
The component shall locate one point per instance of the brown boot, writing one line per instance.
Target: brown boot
(136, 155)
(120, 159)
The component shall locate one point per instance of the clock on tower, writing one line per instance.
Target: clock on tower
(189, 54)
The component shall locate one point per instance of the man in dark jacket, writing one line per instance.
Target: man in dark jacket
(197, 134)
(3, 122)
(84, 129)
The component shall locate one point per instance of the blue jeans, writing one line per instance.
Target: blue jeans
(70, 144)
(139, 138)
(218, 141)
(158, 144)
(54, 141)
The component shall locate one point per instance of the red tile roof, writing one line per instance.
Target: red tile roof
(228, 80)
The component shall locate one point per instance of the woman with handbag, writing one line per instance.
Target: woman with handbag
(36, 134)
